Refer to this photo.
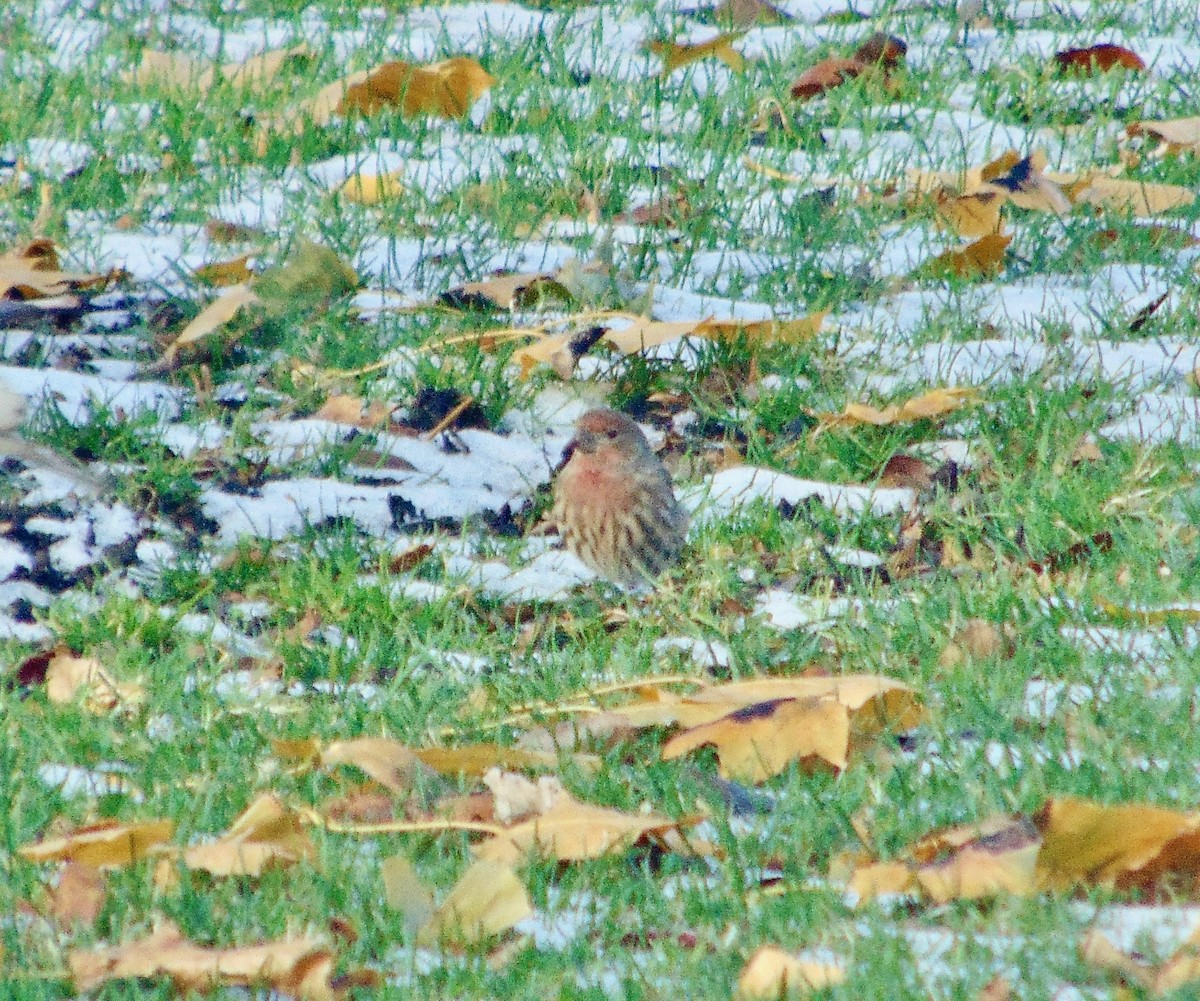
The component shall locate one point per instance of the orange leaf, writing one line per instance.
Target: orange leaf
(1099, 59)
(827, 74)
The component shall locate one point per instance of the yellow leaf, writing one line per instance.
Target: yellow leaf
(105, 844)
(982, 258)
(487, 901)
(217, 314)
(226, 273)
(265, 834)
(927, 406)
(971, 216)
(388, 762)
(371, 189)
(404, 891)
(296, 967)
(772, 974)
(572, 831)
(757, 742)
(70, 678)
(765, 331)
(677, 54)
(1135, 197)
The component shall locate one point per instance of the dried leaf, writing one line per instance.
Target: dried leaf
(507, 291)
(1134, 197)
(572, 831)
(765, 331)
(984, 257)
(404, 891)
(1126, 846)
(222, 274)
(678, 54)
(1177, 135)
(928, 406)
(174, 69)
(265, 834)
(32, 272)
(371, 189)
(757, 742)
(971, 216)
(827, 74)
(487, 901)
(447, 88)
(216, 315)
(772, 974)
(298, 967)
(108, 843)
(1099, 59)
(71, 679)
(78, 896)
(388, 762)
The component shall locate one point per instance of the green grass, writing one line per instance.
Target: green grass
(669, 926)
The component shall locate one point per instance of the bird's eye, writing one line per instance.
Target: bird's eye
(611, 434)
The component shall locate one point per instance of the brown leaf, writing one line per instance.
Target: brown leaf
(447, 88)
(881, 48)
(344, 409)
(404, 891)
(297, 967)
(70, 678)
(32, 272)
(107, 843)
(1176, 135)
(507, 291)
(1099, 59)
(225, 273)
(78, 896)
(971, 216)
(827, 74)
(906, 471)
(765, 331)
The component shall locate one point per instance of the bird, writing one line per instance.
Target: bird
(614, 506)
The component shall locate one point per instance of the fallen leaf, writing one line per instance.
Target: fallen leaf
(1099, 59)
(827, 74)
(298, 967)
(507, 291)
(311, 277)
(881, 48)
(1134, 197)
(406, 892)
(174, 69)
(1176, 135)
(1121, 846)
(225, 273)
(265, 834)
(765, 331)
(78, 896)
(679, 54)
(107, 843)
(928, 406)
(1026, 186)
(971, 216)
(32, 272)
(984, 257)
(757, 742)
(487, 901)
(1178, 970)
(747, 13)
(514, 797)
(772, 974)
(371, 189)
(70, 679)
(390, 763)
(216, 315)
(572, 831)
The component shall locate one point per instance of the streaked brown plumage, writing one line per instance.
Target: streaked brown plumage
(613, 502)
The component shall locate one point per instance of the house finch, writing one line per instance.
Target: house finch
(613, 502)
